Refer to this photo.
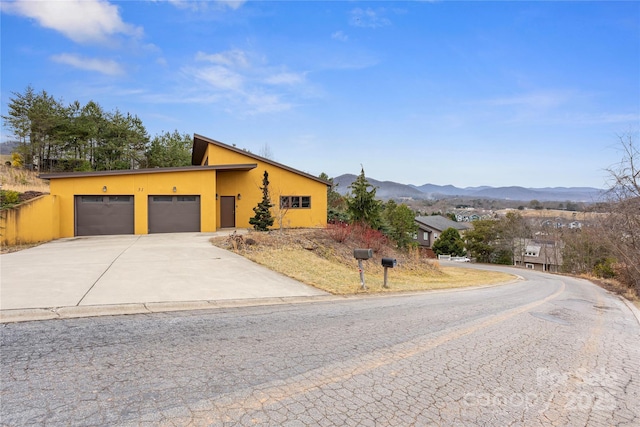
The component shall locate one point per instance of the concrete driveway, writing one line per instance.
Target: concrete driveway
(123, 270)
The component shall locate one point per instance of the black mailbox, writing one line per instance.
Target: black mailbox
(389, 262)
(362, 253)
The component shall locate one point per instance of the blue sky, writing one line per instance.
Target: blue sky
(464, 93)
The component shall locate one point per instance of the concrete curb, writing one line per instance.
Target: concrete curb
(36, 314)
(59, 313)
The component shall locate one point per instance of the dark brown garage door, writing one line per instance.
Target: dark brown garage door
(100, 215)
(174, 214)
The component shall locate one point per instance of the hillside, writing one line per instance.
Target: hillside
(393, 190)
(22, 180)
(317, 258)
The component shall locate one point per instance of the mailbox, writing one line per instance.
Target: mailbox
(362, 253)
(389, 262)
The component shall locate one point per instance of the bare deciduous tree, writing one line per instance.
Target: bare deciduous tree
(266, 152)
(621, 228)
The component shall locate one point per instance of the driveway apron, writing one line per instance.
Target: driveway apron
(107, 270)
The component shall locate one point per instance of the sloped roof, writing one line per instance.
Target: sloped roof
(200, 144)
(438, 222)
(239, 167)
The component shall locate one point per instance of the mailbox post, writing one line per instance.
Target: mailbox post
(362, 254)
(387, 263)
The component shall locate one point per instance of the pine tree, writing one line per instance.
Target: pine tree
(362, 205)
(263, 219)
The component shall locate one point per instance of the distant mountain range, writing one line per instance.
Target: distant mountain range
(8, 147)
(393, 190)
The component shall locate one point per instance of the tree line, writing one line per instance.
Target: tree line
(56, 137)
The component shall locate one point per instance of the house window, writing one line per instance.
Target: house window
(530, 266)
(425, 236)
(295, 202)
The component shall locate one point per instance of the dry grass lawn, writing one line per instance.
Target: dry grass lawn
(312, 257)
(22, 180)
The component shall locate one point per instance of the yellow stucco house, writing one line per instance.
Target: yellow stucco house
(220, 190)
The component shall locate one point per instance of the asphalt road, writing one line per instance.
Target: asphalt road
(548, 350)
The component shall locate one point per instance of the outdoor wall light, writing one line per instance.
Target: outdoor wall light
(216, 196)
(239, 196)
(104, 189)
(175, 189)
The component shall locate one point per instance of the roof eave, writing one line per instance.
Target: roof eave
(236, 167)
(201, 142)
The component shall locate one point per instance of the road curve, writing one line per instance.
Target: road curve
(546, 350)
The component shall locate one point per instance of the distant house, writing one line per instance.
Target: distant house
(541, 256)
(431, 227)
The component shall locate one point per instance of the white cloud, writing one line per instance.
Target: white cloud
(229, 58)
(202, 5)
(220, 77)
(368, 18)
(244, 82)
(285, 79)
(232, 4)
(339, 35)
(107, 67)
(83, 21)
(265, 103)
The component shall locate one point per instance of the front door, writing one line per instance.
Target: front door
(227, 211)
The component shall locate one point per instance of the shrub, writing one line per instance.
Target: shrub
(9, 198)
(16, 160)
(370, 238)
(236, 241)
(604, 268)
(339, 232)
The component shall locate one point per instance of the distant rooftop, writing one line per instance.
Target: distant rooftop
(441, 223)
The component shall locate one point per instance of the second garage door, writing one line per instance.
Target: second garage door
(174, 214)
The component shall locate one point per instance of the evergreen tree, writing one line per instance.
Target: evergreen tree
(362, 205)
(169, 150)
(263, 218)
(336, 204)
(449, 243)
(482, 240)
(56, 137)
(401, 222)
